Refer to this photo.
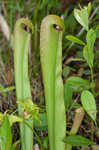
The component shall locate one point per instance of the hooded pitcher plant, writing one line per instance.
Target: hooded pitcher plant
(51, 63)
(23, 92)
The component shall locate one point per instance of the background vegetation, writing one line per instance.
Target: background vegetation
(36, 10)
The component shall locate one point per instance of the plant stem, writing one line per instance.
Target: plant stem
(92, 79)
(37, 137)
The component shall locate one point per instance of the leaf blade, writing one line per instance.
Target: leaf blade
(82, 17)
(23, 92)
(88, 52)
(5, 134)
(67, 95)
(89, 104)
(78, 83)
(77, 140)
(51, 52)
(75, 39)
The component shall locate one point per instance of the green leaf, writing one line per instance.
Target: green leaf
(78, 84)
(51, 63)
(89, 8)
(8, 89)
(97, 33)
(88, 49)
(23, 91)
(67, 95)
(89, 104)
(45, 143)
(15, 145)
(90, 38)
(35, 11)
(13, 119)
(5, 135)
(1, 117)
(75, 39)
(87, 56)
(82, 17)
(77, 140)
(70, 22)
(42, 124)
(77, 59)
(97, 27)
(66, 71)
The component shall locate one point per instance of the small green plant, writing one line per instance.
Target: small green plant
(51, 62)
(78, 84)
